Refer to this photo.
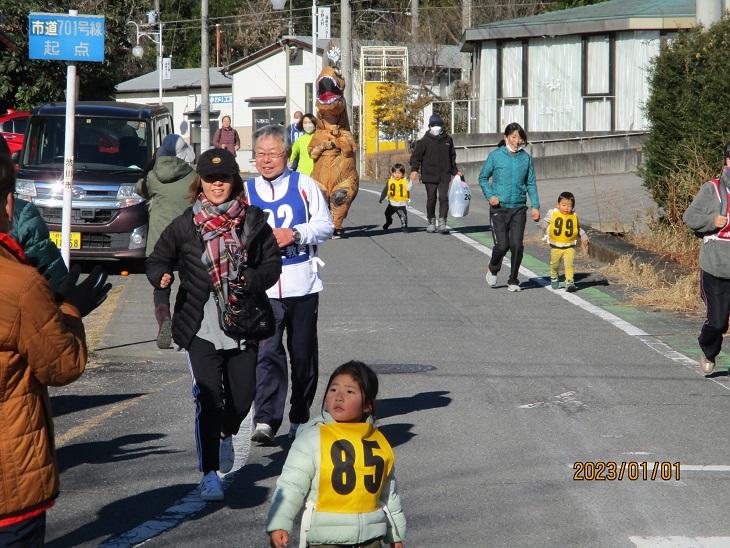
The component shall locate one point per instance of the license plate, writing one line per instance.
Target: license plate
(75, 239)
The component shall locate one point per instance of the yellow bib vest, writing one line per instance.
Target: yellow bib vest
(563, 229)
(398, 190)
(356, 459)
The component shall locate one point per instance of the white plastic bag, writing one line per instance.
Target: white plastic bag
(459, 197)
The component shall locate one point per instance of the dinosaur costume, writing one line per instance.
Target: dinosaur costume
(332, 147)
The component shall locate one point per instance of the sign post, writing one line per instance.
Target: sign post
(71, 38)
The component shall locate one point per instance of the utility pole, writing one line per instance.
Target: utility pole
(159, 48)
(708, 12)
(346, 39)
(205, 79)
(465, 24)
(414, 20)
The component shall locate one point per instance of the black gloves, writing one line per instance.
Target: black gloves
(87, 295)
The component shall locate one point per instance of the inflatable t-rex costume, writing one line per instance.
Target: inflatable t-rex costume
(332, 147)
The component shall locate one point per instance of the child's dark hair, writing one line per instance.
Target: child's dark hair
(7, 177)
(398, 167)
(727, 152)
(365, 378)
(567, 196)
(510, 129)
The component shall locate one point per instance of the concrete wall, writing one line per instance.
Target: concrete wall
(558, 155)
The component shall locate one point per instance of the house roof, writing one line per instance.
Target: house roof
(300, 41)
(419, 55)
(610, 16)
(181, 79)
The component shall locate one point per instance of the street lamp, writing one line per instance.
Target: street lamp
(138, 51)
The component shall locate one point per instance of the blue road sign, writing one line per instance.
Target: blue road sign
(63, 37)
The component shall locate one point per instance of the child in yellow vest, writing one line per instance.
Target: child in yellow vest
(340, 467)
(562, 234)
(397, 190)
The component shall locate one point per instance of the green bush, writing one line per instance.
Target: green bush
(689, 116)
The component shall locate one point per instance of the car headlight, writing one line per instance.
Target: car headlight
(25, 188)
(127, 196)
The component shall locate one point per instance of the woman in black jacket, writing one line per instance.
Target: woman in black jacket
(220, 238)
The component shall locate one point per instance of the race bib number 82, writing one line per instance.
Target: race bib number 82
(356, 460)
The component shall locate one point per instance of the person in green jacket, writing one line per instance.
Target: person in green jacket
(167, 186)
(300, 159)
(31, 232)
(341, 468)
(513, 178)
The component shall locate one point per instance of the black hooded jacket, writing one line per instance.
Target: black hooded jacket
(435, 157)
(181, 241)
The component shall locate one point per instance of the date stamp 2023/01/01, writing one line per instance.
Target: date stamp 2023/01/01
(632, 470)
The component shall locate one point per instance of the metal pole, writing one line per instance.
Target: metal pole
(345, 38)
(217, 45)
(314, 56)
(68, 160)
(287, 111)
(204, 80)
(159, 48)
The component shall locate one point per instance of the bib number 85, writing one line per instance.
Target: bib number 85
(344, 476)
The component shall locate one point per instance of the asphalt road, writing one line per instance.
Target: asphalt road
(493, 402)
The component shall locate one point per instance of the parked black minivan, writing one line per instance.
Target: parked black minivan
(113, 143)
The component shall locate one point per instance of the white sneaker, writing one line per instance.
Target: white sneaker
(263, 433)
(293, 431)
(226, 455)
(514, 287)
(210, 487)
(707, 366)
(491, 278)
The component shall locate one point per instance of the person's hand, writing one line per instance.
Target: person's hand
(279, 538)
(494, 201)
(720, 221)
(535, 214)
(87, 295)
(396, 545)
(223, 146)
(585, 243)
(166, 280)
(284, 236)
(414, 175)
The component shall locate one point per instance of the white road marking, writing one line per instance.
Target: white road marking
(628, 328)
(190, 504)
(680, 542)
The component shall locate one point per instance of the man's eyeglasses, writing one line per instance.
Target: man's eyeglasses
(269, 155)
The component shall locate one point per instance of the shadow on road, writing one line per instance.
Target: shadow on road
(112, 451)
(63, 405)
(402, 406)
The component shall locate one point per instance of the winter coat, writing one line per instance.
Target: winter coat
(31, 232)
(228, 137)
(700, 217)
(513, 178)
(299, 481)
(181, 241)
(435, 157)
(167, 186)
(301, 149)
(41, 345)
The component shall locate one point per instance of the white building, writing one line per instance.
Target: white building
(582, 69)
(181, 96)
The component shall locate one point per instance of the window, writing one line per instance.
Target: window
(267, 116)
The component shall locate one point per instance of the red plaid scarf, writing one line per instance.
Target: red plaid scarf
(223, 253)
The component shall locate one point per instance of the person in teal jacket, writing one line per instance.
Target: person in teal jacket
(350, 488)
(30, 231)
(512, 179)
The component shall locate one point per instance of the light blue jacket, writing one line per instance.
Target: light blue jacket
(299, 482)
(513, 177)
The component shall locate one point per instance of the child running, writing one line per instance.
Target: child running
(398, 191)
(343, 467)
(563, 231)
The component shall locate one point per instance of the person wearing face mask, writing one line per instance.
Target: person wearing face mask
(513, 179)
(300, 160)
(435, 156)
(708, 217)
(295, 129)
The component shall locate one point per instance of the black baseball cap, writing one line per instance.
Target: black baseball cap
(217, 160)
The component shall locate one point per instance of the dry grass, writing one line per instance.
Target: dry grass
(649, 288)
(96, 322)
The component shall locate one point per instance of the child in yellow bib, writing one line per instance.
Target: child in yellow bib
(342, 467)
(562, 234)
(398, 191)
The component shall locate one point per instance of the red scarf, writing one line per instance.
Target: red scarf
(223, 252)
(14, 247)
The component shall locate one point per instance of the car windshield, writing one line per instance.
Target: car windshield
(100, 144)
